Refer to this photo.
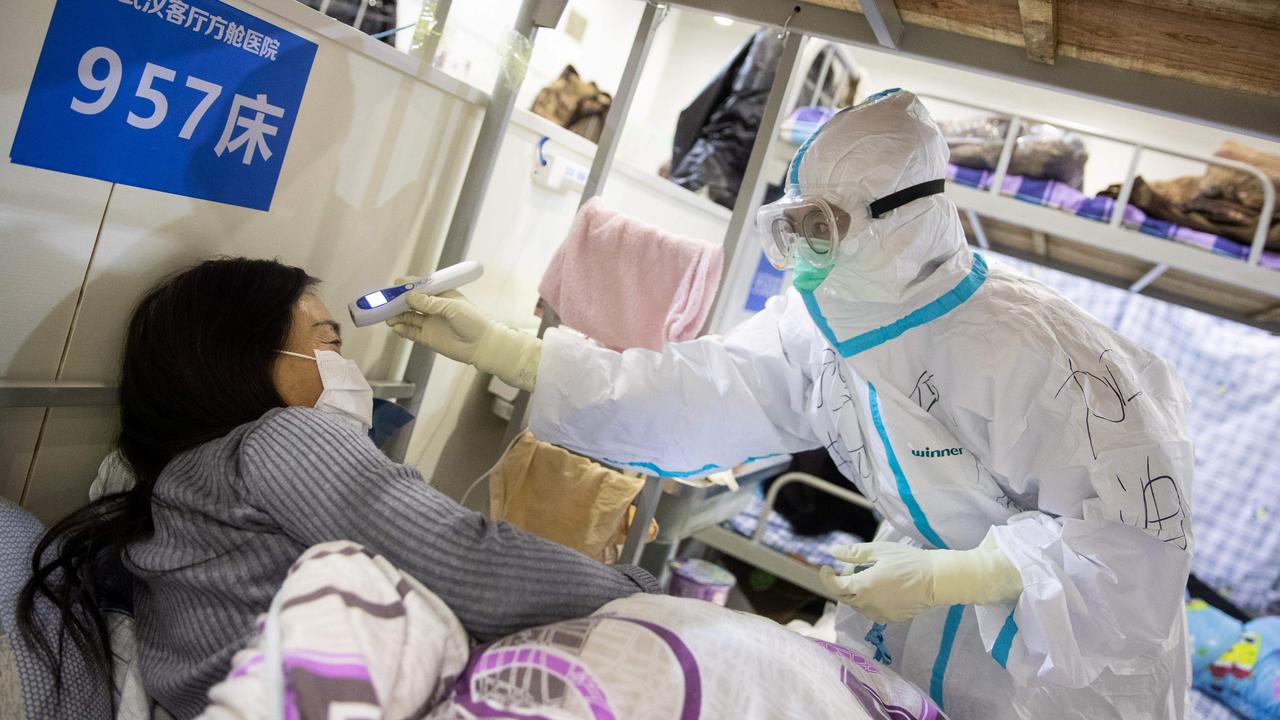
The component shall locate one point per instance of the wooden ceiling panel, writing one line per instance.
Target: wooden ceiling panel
(850, 5)
(996, 20)
(1203, 49)
(1230, 44)
(1039, 29)
(1253, 12)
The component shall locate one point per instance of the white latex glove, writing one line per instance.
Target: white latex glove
(454, 327)
(905, 581)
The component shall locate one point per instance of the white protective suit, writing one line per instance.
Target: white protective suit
(966, 401)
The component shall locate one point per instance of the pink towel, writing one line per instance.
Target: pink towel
(627, 284)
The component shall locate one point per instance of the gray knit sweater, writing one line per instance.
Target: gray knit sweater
(232, 515)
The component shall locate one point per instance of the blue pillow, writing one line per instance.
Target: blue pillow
(1236, 663)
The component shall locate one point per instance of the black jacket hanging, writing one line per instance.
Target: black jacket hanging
(715, 132)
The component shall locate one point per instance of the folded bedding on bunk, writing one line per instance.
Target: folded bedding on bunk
(1183, 201)
(779, 535)
(1057, 195)
(1042, 151)
(1223, 201)
(352, 636)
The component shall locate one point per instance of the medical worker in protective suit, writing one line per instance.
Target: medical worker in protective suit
(1033, 466)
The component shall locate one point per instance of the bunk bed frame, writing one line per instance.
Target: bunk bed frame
(1116, 253)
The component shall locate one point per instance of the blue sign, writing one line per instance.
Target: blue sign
(766, 283)
(191, 97)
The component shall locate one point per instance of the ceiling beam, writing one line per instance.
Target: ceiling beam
(1039, 29)
(1227, 109)
(885, 22)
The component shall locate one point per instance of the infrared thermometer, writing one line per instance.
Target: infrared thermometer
(386, 303)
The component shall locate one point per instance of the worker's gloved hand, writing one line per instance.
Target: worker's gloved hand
(905, 581)
(454, 327)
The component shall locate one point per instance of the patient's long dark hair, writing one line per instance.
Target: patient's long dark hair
(197, 363)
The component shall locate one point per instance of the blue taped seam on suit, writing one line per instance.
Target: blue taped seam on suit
(926, 313)
(660, 472)
(904, 488)
(794, 174)
(1004, 641)
(954, 615)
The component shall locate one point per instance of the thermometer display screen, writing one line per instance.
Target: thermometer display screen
(375, 299)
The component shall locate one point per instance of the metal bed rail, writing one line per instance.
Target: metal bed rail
(754, 552)
(67, 393)
(802, 478)
(1017, 120)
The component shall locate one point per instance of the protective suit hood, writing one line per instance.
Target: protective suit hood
(891, 267)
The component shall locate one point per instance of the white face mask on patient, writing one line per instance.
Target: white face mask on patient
(347, 395)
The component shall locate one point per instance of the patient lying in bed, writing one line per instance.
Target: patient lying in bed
(351, 636)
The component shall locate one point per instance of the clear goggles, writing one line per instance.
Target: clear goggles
(809, 226)
(812, 227)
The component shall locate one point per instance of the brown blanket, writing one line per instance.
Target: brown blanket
(575, 104)
(1223, 201)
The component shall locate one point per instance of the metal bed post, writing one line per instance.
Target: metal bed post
(1260, 233)
(885, 22)
(752, 187)
(432, 42)
(979, 233)
(1006, 155)
(606, 148)
(532, 15)
(1117, 217)
(647, 501)
(363, 7)
(1126, 190)
(1151, 276)
(828, 57)
(744, 209)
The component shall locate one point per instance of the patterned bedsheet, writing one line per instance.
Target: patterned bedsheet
(1053, 194)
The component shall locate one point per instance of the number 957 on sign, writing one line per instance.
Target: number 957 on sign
(100, 70)
(167, 96)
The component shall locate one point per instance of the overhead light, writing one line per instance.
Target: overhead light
(722, 20)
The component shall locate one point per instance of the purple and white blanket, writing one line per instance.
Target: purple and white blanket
(1053, 194)
(350, 636)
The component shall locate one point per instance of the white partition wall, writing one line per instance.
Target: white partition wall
(48, 223)
(367, 188)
